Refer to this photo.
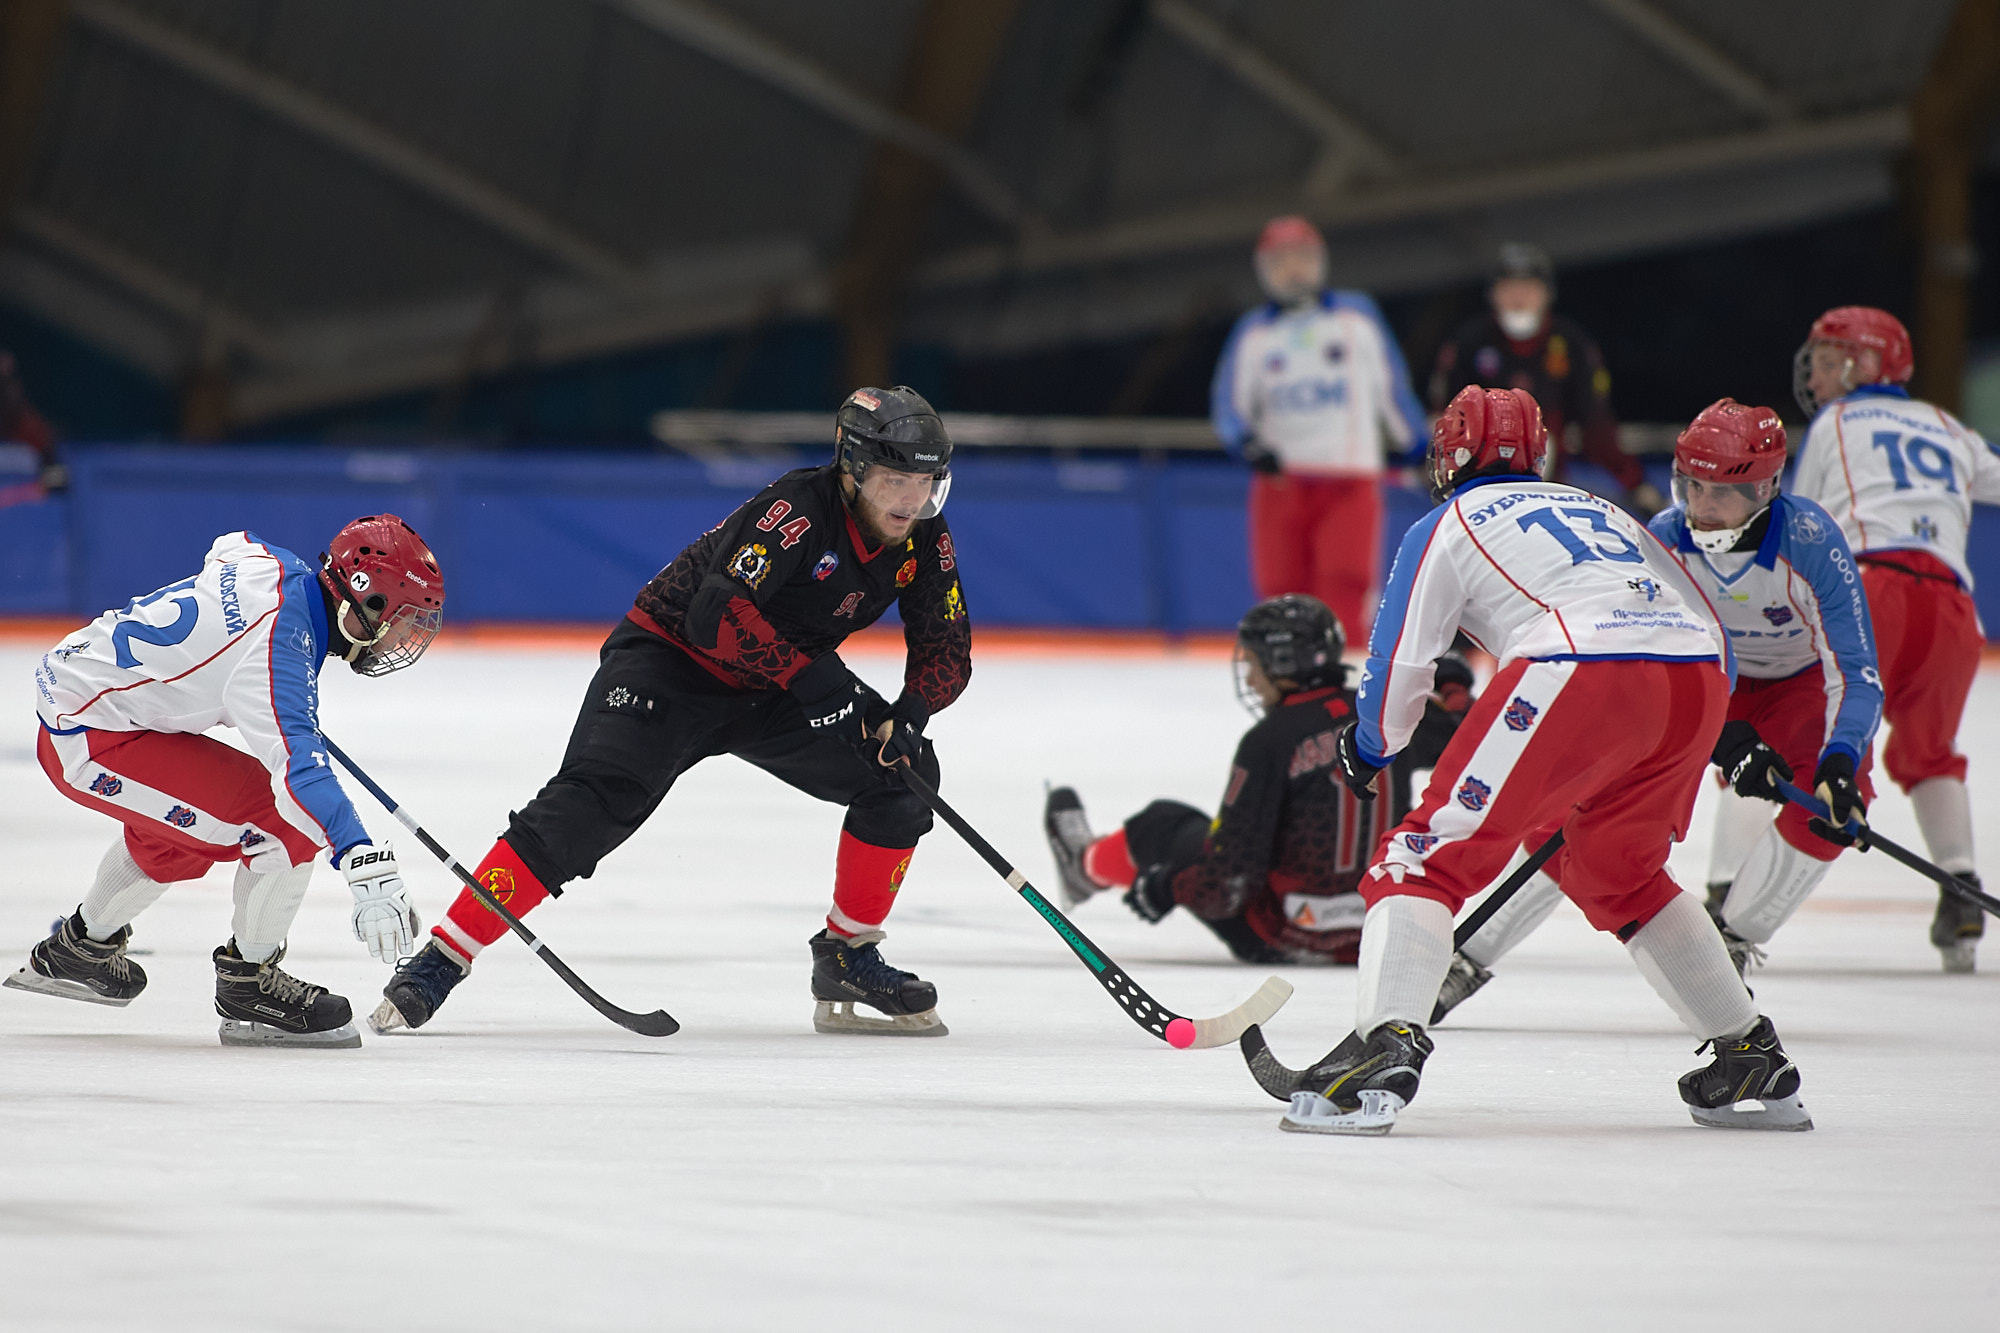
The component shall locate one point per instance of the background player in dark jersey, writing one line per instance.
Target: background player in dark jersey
(1274, 875)
(731, 649)
(1520, 342)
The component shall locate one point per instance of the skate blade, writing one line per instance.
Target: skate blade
(1960, 956)
(30, 980)
(838, 1017)
(388, 1018)
(237, 1032)
(1311, 1113)
(1784, 1113)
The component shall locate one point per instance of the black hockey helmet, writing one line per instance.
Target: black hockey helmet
(1294, 638)
(1519, 259)
(895, 428)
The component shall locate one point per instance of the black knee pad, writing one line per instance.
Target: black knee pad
(1166, 833)
(892, 815)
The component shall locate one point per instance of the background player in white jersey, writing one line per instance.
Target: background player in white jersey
(123, 703)
(1307, 386)
(1611, 691)
(1900, 476)
(1807, 696)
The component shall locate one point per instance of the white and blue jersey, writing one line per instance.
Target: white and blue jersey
(1794, 604)
(1528, 569)
(1318, 385)
(238, 645)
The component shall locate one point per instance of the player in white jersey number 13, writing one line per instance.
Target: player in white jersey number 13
(123, 703)
(1613, 683)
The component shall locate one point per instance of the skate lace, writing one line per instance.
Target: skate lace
(869, 969)
(283, 986)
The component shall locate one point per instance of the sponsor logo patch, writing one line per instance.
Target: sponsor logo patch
(907, 573)
(954, 603)
(1473, 794)
(865, 399)
(359, 580)
(750, 564)
(499, 882)
(1808, 529)
(1778, 615)
(1651, 589)
(827, 564)
(1520, 714)
(1925, 529)
(106, 785)
(181, 817)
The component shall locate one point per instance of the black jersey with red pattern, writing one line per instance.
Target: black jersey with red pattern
(798, 578)
(1289, 825)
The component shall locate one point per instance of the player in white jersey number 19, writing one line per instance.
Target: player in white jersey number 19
(123, 703)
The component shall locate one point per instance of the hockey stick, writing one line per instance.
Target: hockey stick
(1869, 839)
(1282, 1082)
(1148, 1013)
(659, 1023)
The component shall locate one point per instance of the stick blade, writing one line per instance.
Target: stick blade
(659, 1023)
(1224, 1029)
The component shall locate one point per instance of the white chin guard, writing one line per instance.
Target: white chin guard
(1718, 541)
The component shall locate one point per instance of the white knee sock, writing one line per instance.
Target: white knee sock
(1515, 921)
(1775, 880)
(265, 907)
(1944, 813)
(1738, 822)
(1681, 955)
(1405, 951)
(119, 893)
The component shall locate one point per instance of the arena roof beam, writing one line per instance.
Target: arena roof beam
(388, 152)
(1349, 148)
(1699, 57)
(730, 42)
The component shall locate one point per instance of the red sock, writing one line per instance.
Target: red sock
(1109, 861)
(865, 880)
(469, 926)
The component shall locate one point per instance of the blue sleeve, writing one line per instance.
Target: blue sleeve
(297, 651)
(1402, 397)
(1230, 427)
(1666, 525)
(1391, 617)
(1829, 567)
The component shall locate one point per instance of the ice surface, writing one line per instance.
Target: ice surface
(523, 1164)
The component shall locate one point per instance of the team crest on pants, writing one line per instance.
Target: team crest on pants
(1520, 715)
(181, 817)
(1420, 842)
(106, 785)
(1473, 794)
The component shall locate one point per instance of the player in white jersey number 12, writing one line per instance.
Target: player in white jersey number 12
(1613, 683)
(123, 703)
(1900, 477)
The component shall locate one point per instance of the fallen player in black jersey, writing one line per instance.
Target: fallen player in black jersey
(1274, 875)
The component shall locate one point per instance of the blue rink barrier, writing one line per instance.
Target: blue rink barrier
(1106, 543)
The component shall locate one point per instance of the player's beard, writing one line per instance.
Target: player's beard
(874, 521)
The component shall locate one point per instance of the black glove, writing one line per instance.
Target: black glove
(835, 699)
(1833, 782)
(1452, 683)
(1752, 767)
(1259, 456)
(907, 718)
(1152, 894)
(1356, 772)
(703, 622)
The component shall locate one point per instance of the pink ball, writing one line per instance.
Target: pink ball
(1180, 1034)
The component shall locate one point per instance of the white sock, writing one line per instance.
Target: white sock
(265, 908)
(1774, 882)
(1405, 952)
(119, 893)
(1517, 919)
(1682, 956)
(1738, 822)
(1944, 813)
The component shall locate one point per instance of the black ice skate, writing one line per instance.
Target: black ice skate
(1361, 1088)
(1956, 928)
(1463, 978)
(1069, 835)
(1751, 1084)
(76, 967)
(418, 988)
(849, 970)
(262, 1005)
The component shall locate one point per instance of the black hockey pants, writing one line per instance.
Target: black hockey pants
(1173, 836)
(651, 714)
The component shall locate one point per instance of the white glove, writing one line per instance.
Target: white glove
(383, 917)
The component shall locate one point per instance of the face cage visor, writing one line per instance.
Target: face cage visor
(858, 468)
(1757, 497)
(1240, 667)
(408, 631)
(1802, 374)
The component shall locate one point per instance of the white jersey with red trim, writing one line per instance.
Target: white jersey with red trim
(1528, 569)
(238, 645)
(1898, 474)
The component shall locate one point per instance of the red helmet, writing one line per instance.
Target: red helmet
(1730, 442)
(380, 569)
(1482, 428)
(1288, 231)
(1856, 326)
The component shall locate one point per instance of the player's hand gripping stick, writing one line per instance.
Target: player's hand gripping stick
(1148, 1013)
(1868, 840)
(659, 1023)
(1281, 1082)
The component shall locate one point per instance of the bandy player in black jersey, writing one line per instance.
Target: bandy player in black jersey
(1275, 874)
(732, 649)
